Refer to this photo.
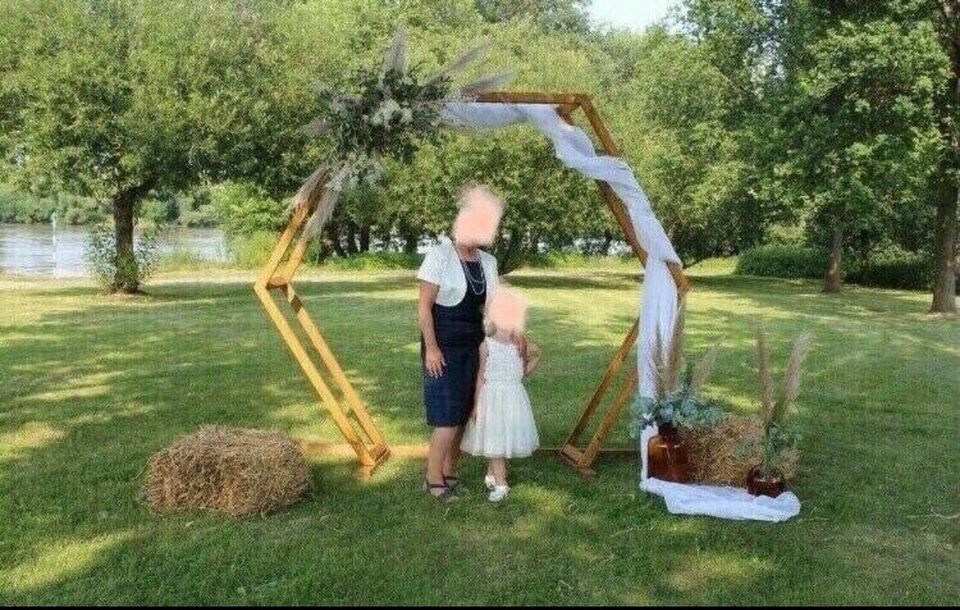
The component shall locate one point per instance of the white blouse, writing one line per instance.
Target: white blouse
(441, 266)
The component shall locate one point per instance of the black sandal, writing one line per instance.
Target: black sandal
(446, 497)
(455, 484)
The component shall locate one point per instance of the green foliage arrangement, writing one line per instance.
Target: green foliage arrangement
(678, 401)
(388, 113)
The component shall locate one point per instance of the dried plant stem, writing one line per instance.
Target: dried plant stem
(674, 363)
(396, 57)
(704, 369)
(766, 377)
(791, 383)
(461, 62)
(491, 82)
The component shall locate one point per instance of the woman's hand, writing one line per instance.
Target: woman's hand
(433, 361)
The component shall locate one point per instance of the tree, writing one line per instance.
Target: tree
(672, 111)
(552, 15)
(119, 99)
(857, 115)
(946, 178)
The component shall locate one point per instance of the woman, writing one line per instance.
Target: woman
(457, 280)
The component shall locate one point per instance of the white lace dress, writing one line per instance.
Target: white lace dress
(504, 425)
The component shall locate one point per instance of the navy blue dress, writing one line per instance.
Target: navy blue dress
(459, 331)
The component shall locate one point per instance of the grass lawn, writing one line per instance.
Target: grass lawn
(92, 385)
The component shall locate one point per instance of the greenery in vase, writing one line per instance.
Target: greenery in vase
(677, 401)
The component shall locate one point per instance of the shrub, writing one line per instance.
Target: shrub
(244, 209)
(102, 261)
(782, 261)
(251, 250)
(23, 208)
(896, 269)
(892, 268)
(375, 261)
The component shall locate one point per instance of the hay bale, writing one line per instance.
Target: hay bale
(231, 470)
(725, 453)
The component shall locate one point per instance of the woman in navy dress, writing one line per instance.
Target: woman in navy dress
(456, 281)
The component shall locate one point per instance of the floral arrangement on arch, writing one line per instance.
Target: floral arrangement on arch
(389, 112)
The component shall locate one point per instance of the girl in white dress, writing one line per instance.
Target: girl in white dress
(501, 426)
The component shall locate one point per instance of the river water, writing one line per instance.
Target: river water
(38, 249)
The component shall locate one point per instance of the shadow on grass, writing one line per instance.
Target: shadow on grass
(97, 384)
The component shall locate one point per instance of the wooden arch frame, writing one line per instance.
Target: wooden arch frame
(350, 414)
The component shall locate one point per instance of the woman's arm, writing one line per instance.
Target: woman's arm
(480, 381)
(433, 358)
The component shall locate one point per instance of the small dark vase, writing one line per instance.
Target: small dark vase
(759, 485)
(667, 456)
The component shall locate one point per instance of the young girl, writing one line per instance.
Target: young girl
(501, 426)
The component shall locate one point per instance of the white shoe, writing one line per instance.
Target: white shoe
(489, 482)
(498, 493)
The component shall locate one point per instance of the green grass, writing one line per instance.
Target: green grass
(93, 385)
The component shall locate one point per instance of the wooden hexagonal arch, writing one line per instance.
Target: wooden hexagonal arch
(349, 412)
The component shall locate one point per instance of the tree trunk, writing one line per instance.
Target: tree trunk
(832, 281)
(947, 187)
(411, 239)
(945, 274)
(365, 238)
(351, 245)
(333, 231)
(607, 243)
(126, 275)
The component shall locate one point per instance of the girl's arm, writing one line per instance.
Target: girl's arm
(533, 358)
(480, 381)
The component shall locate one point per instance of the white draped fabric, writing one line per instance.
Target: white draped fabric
(575, 150)
(658, 306)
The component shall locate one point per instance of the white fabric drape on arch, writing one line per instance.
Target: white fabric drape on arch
(658, 304)
(575, 150)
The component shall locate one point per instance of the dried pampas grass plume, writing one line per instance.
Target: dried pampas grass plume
(396, 57)
(674, 362)
(462, 61)
(492, 82)
(791, 383)
(766, 377)
(704, 369)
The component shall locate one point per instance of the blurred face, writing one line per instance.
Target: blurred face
(508, 310)
(479, 216)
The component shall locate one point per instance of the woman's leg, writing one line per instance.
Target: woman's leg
(440, 445)
(452, 459)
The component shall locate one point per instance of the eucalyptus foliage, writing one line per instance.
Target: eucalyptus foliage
(384, 115)
(682, 407)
